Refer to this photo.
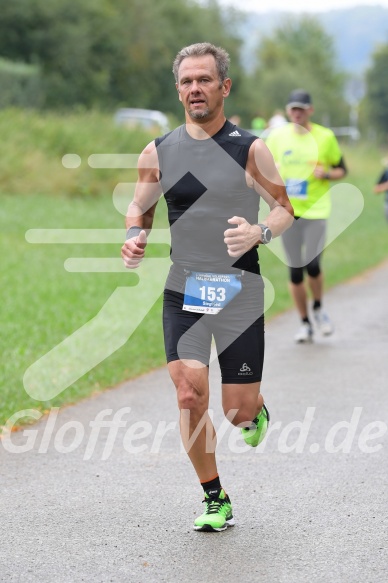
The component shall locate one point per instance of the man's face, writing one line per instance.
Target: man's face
(299, 115)
(199, 87)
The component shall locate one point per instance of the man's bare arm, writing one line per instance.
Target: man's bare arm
(141, 210)
(266, 180)
(379, 188)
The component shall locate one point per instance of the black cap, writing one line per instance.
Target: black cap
(299, 98)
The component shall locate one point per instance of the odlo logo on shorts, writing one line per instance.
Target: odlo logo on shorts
(245, 370)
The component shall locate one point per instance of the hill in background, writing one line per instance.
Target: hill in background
(356, 32)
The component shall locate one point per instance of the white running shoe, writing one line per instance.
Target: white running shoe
(304, 334)
(323, 322)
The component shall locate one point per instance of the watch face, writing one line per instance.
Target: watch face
(267, 235)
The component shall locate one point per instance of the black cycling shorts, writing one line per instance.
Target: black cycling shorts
(238, 330)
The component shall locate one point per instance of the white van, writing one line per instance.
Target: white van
(148, 119)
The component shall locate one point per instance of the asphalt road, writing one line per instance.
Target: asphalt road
(116, 503)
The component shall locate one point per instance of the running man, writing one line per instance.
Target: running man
(213, 175)
(308, 158)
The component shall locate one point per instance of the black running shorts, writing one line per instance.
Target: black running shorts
(238, 330)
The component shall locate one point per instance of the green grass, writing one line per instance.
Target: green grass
(42, 303)
(31, 155)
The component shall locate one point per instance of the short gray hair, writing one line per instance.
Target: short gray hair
(199, 50)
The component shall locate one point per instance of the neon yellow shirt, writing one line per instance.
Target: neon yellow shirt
(296, 155)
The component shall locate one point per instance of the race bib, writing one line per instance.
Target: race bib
(209, 293)
(296, 188)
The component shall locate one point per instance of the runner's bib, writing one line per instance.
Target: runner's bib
(296, 188)
(209, 293)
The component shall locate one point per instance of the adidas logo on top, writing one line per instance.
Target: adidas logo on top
(235, 133)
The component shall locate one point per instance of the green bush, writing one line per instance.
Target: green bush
(21, 85)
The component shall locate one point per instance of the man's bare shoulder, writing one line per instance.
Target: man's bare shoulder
(259, 153)
(149, 158)
(150, 148)
(261, 166)
(258, 146)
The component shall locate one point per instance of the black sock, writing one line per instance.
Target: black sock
(306, 320)
(316, 304)
(213, 484)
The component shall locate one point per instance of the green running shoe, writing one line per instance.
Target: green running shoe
(255, 435)
(218, 514)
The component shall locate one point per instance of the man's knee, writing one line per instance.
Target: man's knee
(296, 275)
(313, 268)
(191, 385)
(189, 398)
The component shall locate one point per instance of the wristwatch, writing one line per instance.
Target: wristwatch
(266, 234)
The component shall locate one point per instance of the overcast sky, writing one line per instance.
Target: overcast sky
(299, 5)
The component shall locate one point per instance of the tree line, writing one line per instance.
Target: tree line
(110, 53)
